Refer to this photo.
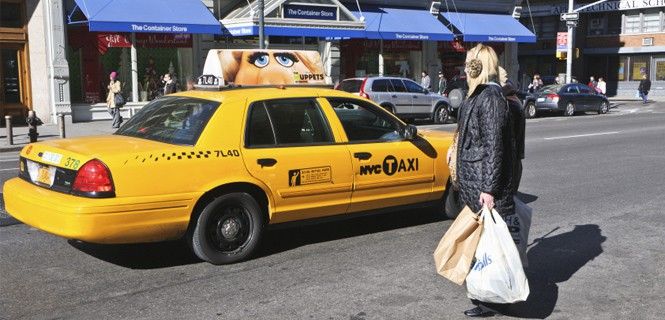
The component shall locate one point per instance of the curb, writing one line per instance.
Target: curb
(11, 149)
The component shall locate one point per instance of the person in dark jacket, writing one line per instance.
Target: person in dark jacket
(486, 147)
(644, 87)
(169, 84)
(517, 122)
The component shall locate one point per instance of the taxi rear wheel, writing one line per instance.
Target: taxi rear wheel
(228, 229)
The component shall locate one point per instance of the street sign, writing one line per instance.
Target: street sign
(562, 41)
(570, 16)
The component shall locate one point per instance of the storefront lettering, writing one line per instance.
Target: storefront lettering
(408, 36)
(601, 7)
(158, 28)
(501, 38)
(121, 40)
(310, 12)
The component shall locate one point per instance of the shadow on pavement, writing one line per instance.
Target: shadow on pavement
(140, 256)
(526, 198)
(176, 253)
(554, 260)
(284, 239)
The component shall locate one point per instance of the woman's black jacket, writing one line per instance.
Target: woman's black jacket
(486, 149)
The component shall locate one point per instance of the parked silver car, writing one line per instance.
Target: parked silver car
(401, 96)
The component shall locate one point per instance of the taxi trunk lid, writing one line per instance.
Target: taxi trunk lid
(54, 164)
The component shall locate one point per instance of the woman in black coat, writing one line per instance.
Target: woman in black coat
(486, 147)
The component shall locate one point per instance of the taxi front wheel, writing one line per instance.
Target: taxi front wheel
(228, 229)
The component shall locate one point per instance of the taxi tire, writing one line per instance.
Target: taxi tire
(452, 203)
(199, 239)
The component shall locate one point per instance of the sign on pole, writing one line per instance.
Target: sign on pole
(562, 41)
(570, 16)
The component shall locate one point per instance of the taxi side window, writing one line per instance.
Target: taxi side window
(287, 122)
(364, 122)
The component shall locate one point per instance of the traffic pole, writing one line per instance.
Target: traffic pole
(262, 44)
(569, 51)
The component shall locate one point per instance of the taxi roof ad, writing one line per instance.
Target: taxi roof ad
(263, 67)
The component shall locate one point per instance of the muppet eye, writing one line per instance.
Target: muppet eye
(284, 60)
(262, 60)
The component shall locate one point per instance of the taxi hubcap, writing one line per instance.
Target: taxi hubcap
(229, 231)
(230, 228)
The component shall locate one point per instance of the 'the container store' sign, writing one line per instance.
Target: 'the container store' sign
(312, 12)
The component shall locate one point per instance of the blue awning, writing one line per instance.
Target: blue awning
(485, 27)
(154, 16)
(402, 23)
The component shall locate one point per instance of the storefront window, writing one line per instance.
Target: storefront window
(639, 66)
(660, 70)
(622, 70)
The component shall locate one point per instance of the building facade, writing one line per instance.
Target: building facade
(621, 41)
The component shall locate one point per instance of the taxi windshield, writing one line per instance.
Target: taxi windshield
(175, 120)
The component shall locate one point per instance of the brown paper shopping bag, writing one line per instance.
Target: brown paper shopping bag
(455, 251)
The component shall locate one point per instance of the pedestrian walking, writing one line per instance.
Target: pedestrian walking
(486, 146)
(602, 86)
(517, 123)
(644, 87)
(169, 84)
(592, 83)
(443, 83)
(425, 82)
(536, 84)
(114, 99)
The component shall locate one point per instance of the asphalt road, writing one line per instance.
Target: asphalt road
(595, 184)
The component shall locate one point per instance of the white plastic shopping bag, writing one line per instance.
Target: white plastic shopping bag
(497, 275)
(518, 226)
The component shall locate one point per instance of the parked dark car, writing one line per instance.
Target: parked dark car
(565, 98)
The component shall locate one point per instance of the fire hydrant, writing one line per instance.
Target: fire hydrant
(33, 121)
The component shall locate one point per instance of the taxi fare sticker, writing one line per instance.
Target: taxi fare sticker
(309, 176)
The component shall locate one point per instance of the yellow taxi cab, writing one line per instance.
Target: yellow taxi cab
(217, 167)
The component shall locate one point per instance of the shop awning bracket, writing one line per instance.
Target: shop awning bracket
(71, 15)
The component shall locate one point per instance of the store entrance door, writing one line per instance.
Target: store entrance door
(12, 90)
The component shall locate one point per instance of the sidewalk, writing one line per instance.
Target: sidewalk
(52, 131)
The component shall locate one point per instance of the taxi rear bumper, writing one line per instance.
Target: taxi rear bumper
(110, 220)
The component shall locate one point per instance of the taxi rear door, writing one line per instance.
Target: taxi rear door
(290, 146)
(387, 169)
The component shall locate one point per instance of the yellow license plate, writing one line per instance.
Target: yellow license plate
(41, 174)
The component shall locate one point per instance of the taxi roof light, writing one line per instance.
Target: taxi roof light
(94, 179)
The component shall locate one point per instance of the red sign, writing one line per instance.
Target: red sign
(561, 41)
(146, 40)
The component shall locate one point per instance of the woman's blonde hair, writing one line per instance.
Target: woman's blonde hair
(482, 66)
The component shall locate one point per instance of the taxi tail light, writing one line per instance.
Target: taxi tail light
(362, 90)
(552, 96)
(93, 179)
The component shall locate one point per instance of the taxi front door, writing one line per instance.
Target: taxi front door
(387, 170)
(290, 147)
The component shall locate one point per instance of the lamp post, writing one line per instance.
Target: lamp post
(262, 44)
(571, 23)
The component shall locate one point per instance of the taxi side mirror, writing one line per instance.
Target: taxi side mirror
(410, 132)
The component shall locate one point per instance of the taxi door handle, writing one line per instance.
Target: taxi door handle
(415, 97)
(394, 96)
(362, 155)
(266, 162)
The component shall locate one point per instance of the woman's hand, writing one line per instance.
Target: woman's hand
(486, 200)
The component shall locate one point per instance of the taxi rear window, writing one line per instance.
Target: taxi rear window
(175, 120)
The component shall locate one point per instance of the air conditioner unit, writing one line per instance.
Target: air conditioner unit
(647, 41)
(435, 8)
(517, 12)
